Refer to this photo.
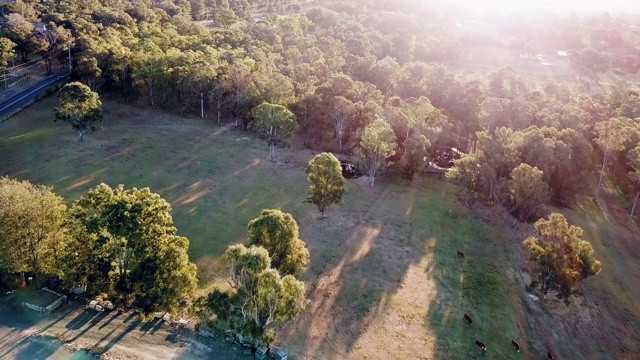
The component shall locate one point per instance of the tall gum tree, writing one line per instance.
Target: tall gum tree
(273, 123)
(377, 144)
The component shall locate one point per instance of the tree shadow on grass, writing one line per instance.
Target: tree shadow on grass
(359, 269)
(480, 284)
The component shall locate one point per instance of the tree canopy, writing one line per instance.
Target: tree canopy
(134, 229)
(261, 296)
(273, 123)
(80, 107)
(278, 233)
(377, 144)
(560, 256)
(327, 182)
(528, 193)
(31, 230)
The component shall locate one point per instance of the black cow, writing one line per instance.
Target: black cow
(515, 345)
(549, 356)
(468, 319)
(480, 345)
(460, 254)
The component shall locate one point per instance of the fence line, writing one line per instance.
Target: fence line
(21, 80)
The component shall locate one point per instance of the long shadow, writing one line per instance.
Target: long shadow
(156, 327)
(37, 350)
(481, 285)
(115, 340)
(358, 271)
(149, 325)
(94, 321)
(81, 319)
(61, 315)
(131, 316)
(113, 317)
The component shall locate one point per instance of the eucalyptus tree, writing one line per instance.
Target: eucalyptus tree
(136, 227)
(273, 123)
(377, 144)
(31, 230)
(327, 182)
(80, 107)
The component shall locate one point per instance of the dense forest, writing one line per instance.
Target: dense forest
(349, 76)
(337, 68)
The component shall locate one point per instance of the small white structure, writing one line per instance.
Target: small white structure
(93, 304)
(108, 305)
(166, 317)
(98, 308)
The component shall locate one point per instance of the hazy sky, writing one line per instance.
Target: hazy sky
(617, 5)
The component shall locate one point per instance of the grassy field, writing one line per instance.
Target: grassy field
(384, 279)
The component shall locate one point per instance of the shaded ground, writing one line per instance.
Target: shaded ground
(384, 279)
(27, 335)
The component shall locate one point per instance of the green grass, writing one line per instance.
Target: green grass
(384, 279)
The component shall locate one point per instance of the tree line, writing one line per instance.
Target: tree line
(112, 240)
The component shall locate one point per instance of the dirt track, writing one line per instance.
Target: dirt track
(27, 335)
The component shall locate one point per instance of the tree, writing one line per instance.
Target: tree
(634, 162)
(7, 53)
(613, 135)
(341, 109)
(327, 183)
(377, 144)
(273, 123)
(80, 107)
(589, 63)
(560, 256)
(261, 298)
(416, 155)
(528, 193)
(136, 227)
(56, 39)
(225, 17)
(21, 32)
(277, 232)
(31, 229)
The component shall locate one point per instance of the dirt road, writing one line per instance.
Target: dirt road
(75, 333)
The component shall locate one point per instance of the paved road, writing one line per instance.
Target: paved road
(20, 99)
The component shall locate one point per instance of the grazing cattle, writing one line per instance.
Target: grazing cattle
(480, 345)
(460, 254)
(549, 356)
(515, 345)
(468, 319)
